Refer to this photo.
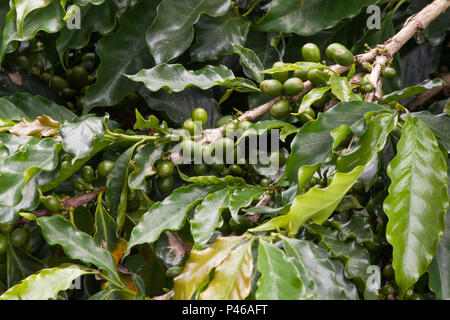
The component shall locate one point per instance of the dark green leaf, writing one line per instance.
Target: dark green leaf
(412, 91)
(76, 244)
(417, 202)
(169, 38)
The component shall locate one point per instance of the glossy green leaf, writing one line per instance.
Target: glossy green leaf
(46, 284)
(143, 166)
(169, 214)
(10, 111)
(175, 78)
(314, 143)
(357, 227)
(29, 202)
(238, 84)
(412, 91)
(179, 106)
(26, 158)
(232, 278)
(105, 227)
(322, 277)
(81, 135)
(280, 279)
(417, 202)
(319, 203)
(201, 262)
(308, 17)
(242, 197)
(20, 264)
(117, 184)
(97, 18)
(439, 124)
(250, 61)
(301, 65)
(48, 19)
(169, 38)
(130, 56)
(76, 244)
(24, 7)
(207, 216)
(214, 36)
(34, 106)
(261, 127)
(355, 257)
(312, 96)
(342, 89)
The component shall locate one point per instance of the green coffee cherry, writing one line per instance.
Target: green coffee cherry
(78, 77)
(236, 170)
(365, 80)
(223, 121)
(165, 185)
(200, 114)
(201, 169)
(280, 109)
(388, 272)
(52, 203)
(389, 73)
(280, 76)
(69, 93)
(80, 184)
(88, 173)
(331, 49)
(230, 128)
(277, 158)
(344, 57)
(293, 86)
(243, 125)
(189, 125)
(6, 228)
(317, 77)
(366, 66)
(311, 52)
(19, 236)
(302, 74)
(104, 168)
(164, 169)
(59, 84)
(367, 88)
(264, 182)
(271, 87)
(23, 62)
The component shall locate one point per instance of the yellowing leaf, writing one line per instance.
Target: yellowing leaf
(232, 279)
(45, 284)
(200, 263)
(42, 126)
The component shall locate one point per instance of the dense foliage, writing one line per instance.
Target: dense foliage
(116, 118)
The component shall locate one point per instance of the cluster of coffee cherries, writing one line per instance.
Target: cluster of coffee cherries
(232, 130)
(70, 84)
(287, 84)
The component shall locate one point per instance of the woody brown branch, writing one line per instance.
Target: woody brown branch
(69, 204)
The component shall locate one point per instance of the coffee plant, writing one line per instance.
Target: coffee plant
(224, 149)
